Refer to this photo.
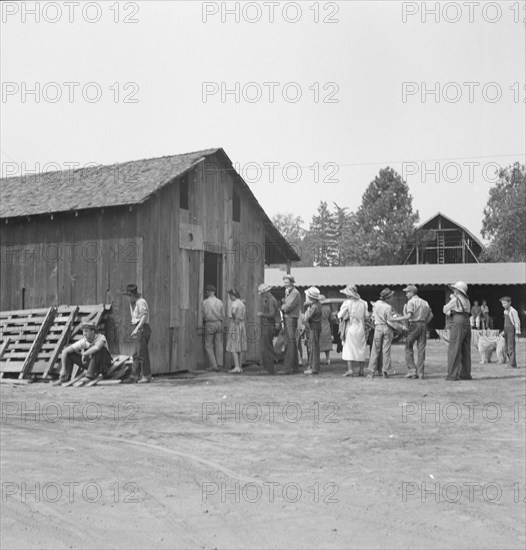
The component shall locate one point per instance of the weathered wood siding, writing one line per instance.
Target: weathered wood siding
(173, 272)
(87, 259)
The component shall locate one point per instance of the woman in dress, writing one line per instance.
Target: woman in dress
(459, 351)
(236, 342)
(354, 312)
(326, 330)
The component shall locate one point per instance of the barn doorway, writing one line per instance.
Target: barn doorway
(213, 272)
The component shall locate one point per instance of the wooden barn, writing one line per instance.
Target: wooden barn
(171, 224)
(440, 240)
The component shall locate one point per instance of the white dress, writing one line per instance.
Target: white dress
(354, 347)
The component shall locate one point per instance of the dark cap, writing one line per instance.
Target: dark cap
(131, 290)
(211, 288)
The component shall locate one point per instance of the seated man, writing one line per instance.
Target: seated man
(91, 351)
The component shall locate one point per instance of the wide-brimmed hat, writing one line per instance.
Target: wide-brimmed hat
(350, 290)
(263, 287)
(210, 288)
(411, 288)
(131, 290)
(89, 325)
(386, 294)
(289, 277)
(313, 293)
(461, 286)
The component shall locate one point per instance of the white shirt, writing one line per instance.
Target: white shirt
(140, 310)
(83, 344)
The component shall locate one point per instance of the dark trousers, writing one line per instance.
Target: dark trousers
(141, 357)
(291, 348)
(509, 339)
(99, 363)
(314, 347)
(267, 347)
(459, 350)
(416, 334)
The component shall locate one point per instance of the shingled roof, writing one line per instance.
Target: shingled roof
(92, 187)
(123, 184)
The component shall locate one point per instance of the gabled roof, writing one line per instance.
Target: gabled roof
(422, 274)
(122, 184)
(432, 218)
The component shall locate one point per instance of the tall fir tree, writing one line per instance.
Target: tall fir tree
(384, 221)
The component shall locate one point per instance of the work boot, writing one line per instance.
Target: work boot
(144, 380)
(61, 380)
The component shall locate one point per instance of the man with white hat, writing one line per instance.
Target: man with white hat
(291, 312)
(383, 333)
(459, 350)
(418, 313)
(268, 310)
(313, 320)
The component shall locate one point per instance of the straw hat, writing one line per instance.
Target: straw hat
(461, 286)
(263, 287)
(386, 294)
(350, 290)
(313, 293)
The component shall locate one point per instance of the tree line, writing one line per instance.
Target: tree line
(383, 230)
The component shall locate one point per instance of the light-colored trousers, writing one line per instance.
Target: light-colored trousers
(214, 343)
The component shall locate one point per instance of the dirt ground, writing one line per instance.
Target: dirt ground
(206, 461)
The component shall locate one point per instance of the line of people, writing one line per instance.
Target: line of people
(355, 319)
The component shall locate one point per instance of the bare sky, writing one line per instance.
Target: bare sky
(351, 120)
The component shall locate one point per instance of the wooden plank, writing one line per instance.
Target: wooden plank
(15, 381)
(64, 337)
(73, 380)
(94, 382)
(33, 352)
(3, 347)
(109, 382)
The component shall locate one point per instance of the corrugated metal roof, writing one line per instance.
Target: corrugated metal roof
(424, 274)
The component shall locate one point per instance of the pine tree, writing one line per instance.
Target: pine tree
(384, 221)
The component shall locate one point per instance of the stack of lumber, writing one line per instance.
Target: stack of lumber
(31, 340)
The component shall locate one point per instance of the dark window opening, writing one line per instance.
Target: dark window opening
(236, 207)
(183, 193)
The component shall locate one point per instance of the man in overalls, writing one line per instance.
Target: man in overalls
(512, 329)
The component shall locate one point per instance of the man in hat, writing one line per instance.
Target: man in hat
(268, 311)
(213, 318)
(383, 333)
(418, 313)
(291, 312)
(512, 329)
(90, 352)
(140, 319)
(458, 309)
(313, 321)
